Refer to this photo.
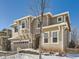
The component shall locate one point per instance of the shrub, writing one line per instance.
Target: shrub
(72, 44)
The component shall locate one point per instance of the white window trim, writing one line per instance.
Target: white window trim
(26, 24)
(43, 38)
(61, 19)
(57, 37)
(22, 22)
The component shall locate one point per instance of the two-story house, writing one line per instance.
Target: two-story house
(21, 33)
(55, 32)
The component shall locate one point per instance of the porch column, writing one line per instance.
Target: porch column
(62, 44)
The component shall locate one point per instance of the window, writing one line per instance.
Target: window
(45, 37)
(54, 37)
(39, 23)
(16, 29)
(60, 19)
(23, 24)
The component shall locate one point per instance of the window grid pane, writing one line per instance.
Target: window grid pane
(45, 37)
(23, 24)
(59, 19)
(54, 37)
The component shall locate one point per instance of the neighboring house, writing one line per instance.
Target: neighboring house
(2, 38)
(55, 32)
(4, 42)
(8, 32)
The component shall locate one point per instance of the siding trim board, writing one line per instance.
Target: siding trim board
(62, 39)
(64, 23)
(51, 29)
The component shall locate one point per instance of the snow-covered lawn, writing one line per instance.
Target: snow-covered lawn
(32, 56)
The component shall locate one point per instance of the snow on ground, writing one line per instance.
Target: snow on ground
(32, 56)
(31, 50)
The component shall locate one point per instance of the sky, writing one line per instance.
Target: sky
(11, 10)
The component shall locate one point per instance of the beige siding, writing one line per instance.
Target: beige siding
(50, 45)
(22, 34)
(53, 20)
(34, 30)
(66, 38)
(51, 29)
(45, 21)
(63, 40)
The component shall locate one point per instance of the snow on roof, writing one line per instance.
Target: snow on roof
(61, 14)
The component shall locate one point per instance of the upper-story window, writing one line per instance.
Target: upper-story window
(23, 24)
(60, 19)
(16, 28)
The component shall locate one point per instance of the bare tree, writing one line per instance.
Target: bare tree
(74, 34)
(38, 7)
(74, 38)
